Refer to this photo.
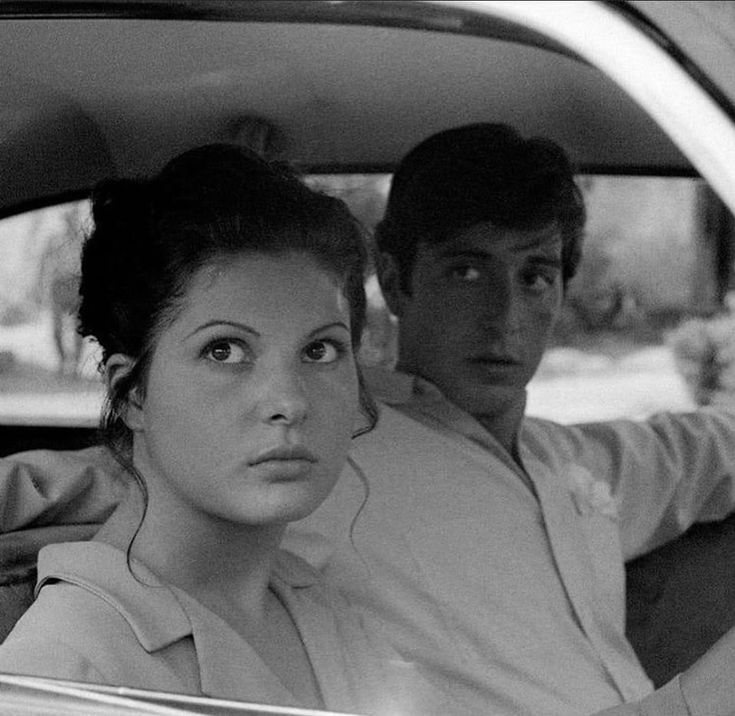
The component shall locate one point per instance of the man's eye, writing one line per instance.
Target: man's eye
(225, 352)
(465, 273)
(321, 352)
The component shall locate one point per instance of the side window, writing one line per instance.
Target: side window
(647, 324)
(48, 374)
(366, 196)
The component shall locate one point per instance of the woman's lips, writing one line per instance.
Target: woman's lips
(283, 453)
(284, 462)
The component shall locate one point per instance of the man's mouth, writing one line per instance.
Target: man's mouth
(496, 361)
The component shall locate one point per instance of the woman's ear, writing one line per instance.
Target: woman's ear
(117, 368)
(389, 277)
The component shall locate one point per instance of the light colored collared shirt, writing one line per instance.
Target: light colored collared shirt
(97, 622)
(511, 592)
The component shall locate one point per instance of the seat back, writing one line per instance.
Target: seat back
(18, 558)
(681, 598)
(15, 598)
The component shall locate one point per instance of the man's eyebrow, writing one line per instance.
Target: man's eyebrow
(554, 261)
(453, 253)
(482, 255)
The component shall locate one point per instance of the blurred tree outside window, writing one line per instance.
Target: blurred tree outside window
(43, 361)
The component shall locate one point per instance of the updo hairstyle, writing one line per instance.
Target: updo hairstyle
(151, 236)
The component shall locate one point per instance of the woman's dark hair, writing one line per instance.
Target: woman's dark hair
(477, 173)
(151, 236)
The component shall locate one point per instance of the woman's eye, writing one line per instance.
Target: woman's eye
(225, 352)
(321, 352)
(465, 273)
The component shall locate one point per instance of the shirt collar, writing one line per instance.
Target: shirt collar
(402, 390)
(389, 386)
(294, 571)
(423, 400)
(150, 606)
(147, 604)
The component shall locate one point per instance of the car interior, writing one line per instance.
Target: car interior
(341, 91)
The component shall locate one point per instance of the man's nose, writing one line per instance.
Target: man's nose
(514, 315)
(503, 309)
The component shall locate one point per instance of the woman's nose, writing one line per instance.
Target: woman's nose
(283, 399)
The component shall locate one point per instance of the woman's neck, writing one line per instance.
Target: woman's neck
(206, 557)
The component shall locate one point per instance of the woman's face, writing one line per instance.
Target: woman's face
(252, 394)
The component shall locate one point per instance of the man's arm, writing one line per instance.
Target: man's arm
(41, 488)
(666, 701)
(709, 685)
(705, 689)
(49, 496)
(665, 473)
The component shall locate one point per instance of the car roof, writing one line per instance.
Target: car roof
(700, 34)
(94, 89)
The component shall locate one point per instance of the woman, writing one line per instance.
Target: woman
(228, 301)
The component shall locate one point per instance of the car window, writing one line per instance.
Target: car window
(654, 260)
(645, 325)
(48, 374)
(653, 283)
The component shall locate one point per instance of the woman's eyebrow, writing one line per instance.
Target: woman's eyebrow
(232, 324)
(327, 326)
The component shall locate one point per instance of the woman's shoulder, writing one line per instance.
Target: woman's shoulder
(80, 590)
(94, 620)
(61, 636)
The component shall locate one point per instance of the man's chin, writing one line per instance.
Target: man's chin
(489, 400)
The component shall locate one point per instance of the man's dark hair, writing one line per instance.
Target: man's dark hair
(478, 173)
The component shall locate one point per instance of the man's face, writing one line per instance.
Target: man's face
(479, 313)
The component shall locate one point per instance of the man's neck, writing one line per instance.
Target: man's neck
(503, 422)
(505, 426)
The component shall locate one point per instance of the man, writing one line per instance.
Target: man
(489, 544)
(500, 537)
